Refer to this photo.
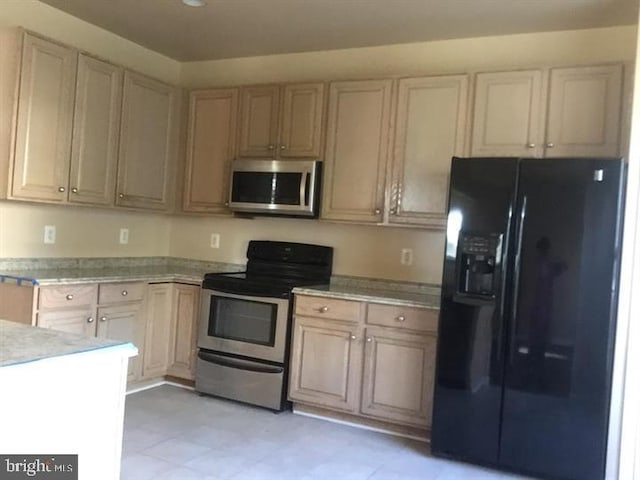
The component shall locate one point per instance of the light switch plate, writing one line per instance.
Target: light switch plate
(124, 236)
(215, 240)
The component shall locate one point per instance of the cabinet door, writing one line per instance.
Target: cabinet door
(358, 128)
(326, 364)
(259, 121)
(80, 322)
(96, 124)
(399, 370)
(157, 331)
(508, 114)
(124, 323)
(429, 131)
(182, 344)
(584, 112)
(45, 116)
(147, 142)
(210, 149)
(301, 132)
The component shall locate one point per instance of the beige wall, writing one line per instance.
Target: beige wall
(80, 231)
(448, 56)
(55, 24)
(366, 251)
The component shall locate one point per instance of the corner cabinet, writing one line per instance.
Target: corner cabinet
(44, 121)
(184, 322)
(148, 143)
(364, 359)
(210, 149)
(281, 121)
(358, 130)
(561, 112)
(430, 129)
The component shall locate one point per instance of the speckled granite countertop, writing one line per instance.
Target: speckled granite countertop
(377, 291)
(23, 343)
(102, 270)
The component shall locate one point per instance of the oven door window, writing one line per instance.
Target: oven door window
(243, 320)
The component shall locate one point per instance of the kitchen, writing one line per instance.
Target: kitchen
(188, 236)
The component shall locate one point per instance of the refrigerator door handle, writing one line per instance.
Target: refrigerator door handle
(520, 217)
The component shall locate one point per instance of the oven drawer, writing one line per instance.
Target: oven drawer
(328, 308)
(243, 380)
(421, 319)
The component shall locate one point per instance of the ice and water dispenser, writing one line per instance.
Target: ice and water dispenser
(476, 269)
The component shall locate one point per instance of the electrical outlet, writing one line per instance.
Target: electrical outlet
(406, 256)
(215, 240)
(124, 236)
(50, 234)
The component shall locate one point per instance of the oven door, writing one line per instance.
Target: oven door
(254, 327)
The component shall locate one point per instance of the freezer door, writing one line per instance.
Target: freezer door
(559, 359)
(469, 370)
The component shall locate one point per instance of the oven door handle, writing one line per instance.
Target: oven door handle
(238, 364)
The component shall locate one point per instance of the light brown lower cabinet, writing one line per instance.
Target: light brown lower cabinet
(379, 365)
(170, 337)
(398, 376)
(182, 339)
(326, 363)
(110, 310)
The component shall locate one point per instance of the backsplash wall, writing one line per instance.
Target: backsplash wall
(363, 251)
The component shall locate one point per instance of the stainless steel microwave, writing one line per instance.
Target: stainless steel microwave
(276, 187)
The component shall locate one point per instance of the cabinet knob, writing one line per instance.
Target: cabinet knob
(531, 145)
(377, 211)
(369, 339)
(393, 211)
(90, 320)
(270, 147)
(226, 204)
(103, 319)
(550, 145)
(121, 195)
(400, 318)
(323, 309)
(124, 293)
(283, 147)
(74, 190)
(61, 189)
(69, 297)
(353, 337)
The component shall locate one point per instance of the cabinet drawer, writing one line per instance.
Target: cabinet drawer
(328, 308)
(121, 292)
(421, 319)
(67, 296)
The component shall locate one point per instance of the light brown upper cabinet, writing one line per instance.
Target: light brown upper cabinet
(584, 111)
(148, 143)
(507, 114)
(430, 128)
(358, 130)
(559, 112)
(210, 149)
(280, 121)
(44, 122)
(94, 149)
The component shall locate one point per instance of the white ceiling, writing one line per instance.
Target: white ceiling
(240, 28)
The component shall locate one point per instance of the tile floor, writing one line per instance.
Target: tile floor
(173, 433)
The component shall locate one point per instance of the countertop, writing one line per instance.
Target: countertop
(429, 298)
(23, 343)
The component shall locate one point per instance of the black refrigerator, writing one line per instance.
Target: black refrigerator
(527, 316)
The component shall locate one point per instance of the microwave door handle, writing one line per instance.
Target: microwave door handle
(303, 188)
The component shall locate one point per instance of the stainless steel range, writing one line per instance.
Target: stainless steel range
(245, 321)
